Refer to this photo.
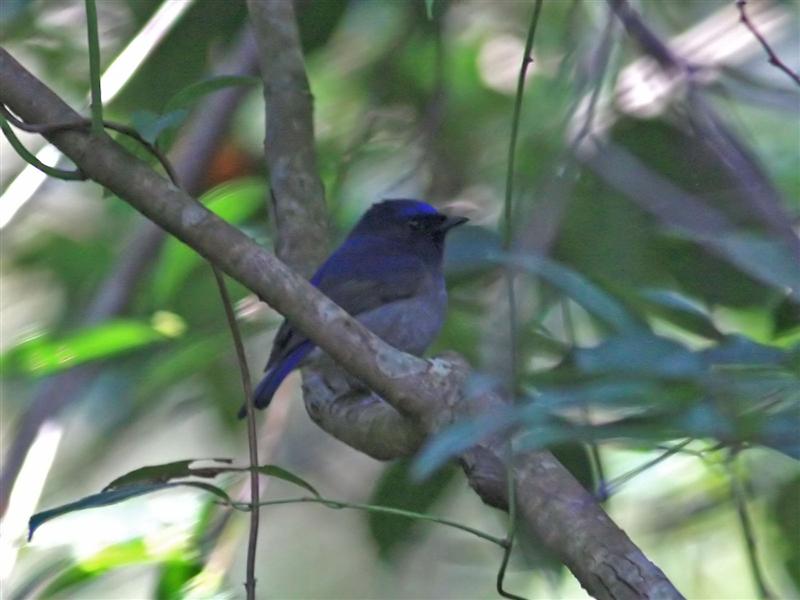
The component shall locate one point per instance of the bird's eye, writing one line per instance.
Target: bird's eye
(415, 224)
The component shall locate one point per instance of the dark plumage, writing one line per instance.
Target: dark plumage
(388, 274)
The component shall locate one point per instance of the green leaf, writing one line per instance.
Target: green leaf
(281, 473)
(151, 125)
(397, 489)
(740, 350)
(182, 468)
(766, 260)
(44, 356)
(173, 575)
(129, 552)
(107, 498)
(642, 354)
(194, 91)
(469, 251)
(458, 438)
(576, 286)
(234, 202)
(167, 471)
(680, 310)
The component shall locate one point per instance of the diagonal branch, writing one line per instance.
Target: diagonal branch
(772, 58)
(552, 503)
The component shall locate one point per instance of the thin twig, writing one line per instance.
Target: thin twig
(527, 59)
(501, 573)
(30, 158)
(772, 58)
(94, 66)
(127, 130)
(610, 489)
(252, 440)
(739, 496)
(376, 508)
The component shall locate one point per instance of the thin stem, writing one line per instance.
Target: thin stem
(739, 495)
(94, 66)
(512, 146)
(252, 441)
(127, 130)
(375, 508)
(509, 544)
(31, 159)
(772, 58)
(608, 490)
(527, 59)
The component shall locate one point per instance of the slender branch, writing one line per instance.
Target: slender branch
(608, 490)
(29, 157)
(252, 440)
(501, 572)
(44, 128)
(772, 58)
(300, 223)
(508, 233)
(739, 496)
(527, 59)
(376, 508)
(552, 503)
(94, 66)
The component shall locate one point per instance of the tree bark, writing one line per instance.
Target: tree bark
(300, 218)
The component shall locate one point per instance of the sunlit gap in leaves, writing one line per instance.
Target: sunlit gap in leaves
(26, 493)
(118, 73)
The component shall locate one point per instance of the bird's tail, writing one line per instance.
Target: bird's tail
(266, 389)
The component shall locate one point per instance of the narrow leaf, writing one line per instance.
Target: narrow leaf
(151, 125)
(193, 92)
(43, 355)
(165, 472)
(106, 498)
(281, 473)
(576, 286)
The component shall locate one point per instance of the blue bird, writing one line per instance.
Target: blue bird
(387, 274)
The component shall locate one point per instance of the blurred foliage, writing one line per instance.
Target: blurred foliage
(636, 329)
(398, 489)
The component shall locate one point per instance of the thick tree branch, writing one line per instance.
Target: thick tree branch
(300, 218)
(565, 516)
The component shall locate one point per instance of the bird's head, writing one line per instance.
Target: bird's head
(411, 221)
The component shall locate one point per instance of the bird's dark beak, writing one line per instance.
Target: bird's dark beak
(451, 222)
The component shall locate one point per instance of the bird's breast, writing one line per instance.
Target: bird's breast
(411, 324)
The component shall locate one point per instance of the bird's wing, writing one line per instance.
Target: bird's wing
(358, 277)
